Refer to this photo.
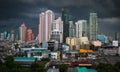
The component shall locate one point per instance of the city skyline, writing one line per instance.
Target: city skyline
(13, 13)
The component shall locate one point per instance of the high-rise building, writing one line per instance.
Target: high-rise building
(56, 35)
(93, 20)
(49, 18)
(71, 29)
(22, 32)
(45, 25)
(12, 35)
(41, 35)
(116, 36)
(5, 34)
(65, 19)
(8, 37)
(2, 36)
(30, 35)
(57, 24)
(81, 28)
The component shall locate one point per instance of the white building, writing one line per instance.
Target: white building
(81, 28)
(57, 24)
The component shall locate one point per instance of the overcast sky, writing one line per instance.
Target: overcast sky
(14, 12)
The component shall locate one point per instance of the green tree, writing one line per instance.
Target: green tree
(101, 67)
(45, 59)
(63, 68)
(11, 66)
(117, 66)
(37, 67)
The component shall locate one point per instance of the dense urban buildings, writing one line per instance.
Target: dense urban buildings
(59, 41)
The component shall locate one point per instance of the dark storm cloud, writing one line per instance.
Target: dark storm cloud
(14, 12)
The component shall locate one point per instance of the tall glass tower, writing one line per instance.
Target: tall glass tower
(93, 20)
(65, 19)
(71, 29)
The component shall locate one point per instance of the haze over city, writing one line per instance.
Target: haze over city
(59, 35)
(14, 13)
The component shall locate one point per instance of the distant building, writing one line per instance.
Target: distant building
(116, 36)
(30, 35)
(65, 19)
(71, 29)
(58, 24)
(73, 43)
(57, 35)
(2, 36)
(22, 32)
(101, 38)
(12, 36)
(81, 28)
(51, 45)
(93, 20)
(5, 34)
(8, 37)
(45, 25)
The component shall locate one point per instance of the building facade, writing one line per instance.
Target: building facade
(93, 20)
(57, 24)
(81, 28)
(45, 25)
(22, 32)
(65, 19)
(30, 35)
(71, 29)
(56, 35)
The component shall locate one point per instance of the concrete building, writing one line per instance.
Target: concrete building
(57, 35)
(71, 29)
(58, 24)
(2, 36)
(81, 28)
(22, 32)
(93, 20)
(30, 35)
(73, 43)
(5, 34)
(45, 25)
(65, 19)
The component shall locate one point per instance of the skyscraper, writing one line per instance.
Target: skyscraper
(93, 20)
(57, 24)
(30, 35)
(116, 36)
(5, 34)
(71, 29)
(45, 25)
(81, 28)
(65, 19)
(49, 18)
(12, 35)
(22, 32)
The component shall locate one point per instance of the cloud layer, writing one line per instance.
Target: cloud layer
(14, 12)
